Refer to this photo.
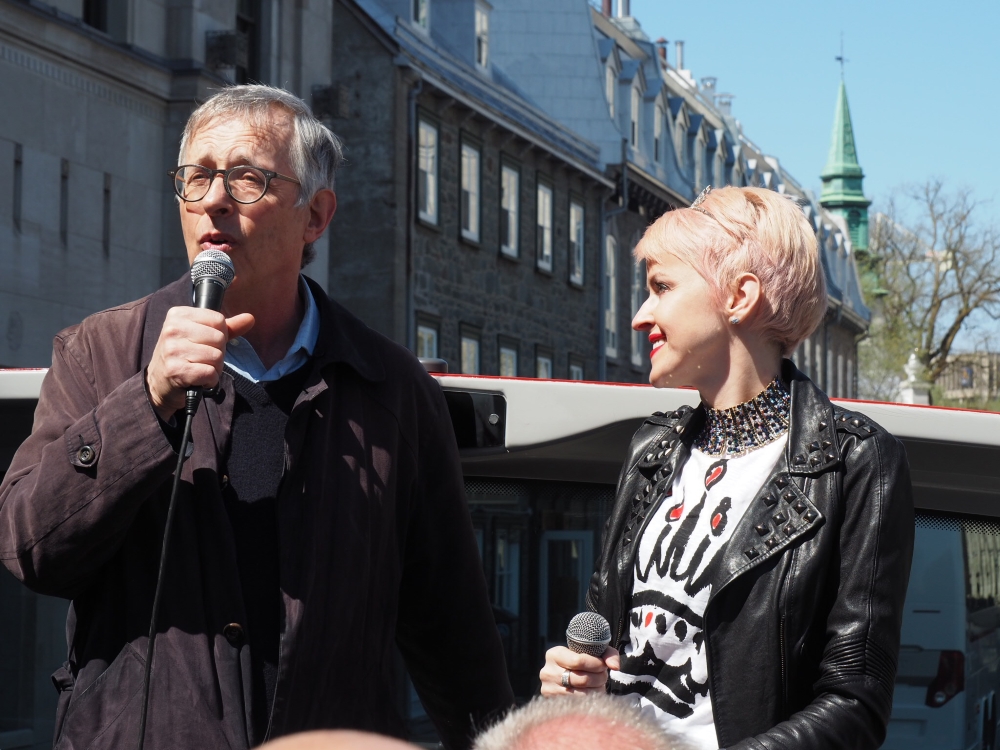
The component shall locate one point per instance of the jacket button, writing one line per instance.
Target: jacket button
(780, 518)
(751, 553)
(781, 482)
(800, 507)
(86, 455)
(811, 516)
(770, 500)
(789, 530)
(831, 456)
(800, 459)
(822, 425)
(772, 542)
(762, 529)
(826, 444)
(234, 634)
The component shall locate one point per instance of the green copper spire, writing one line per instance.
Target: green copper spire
(842, 192)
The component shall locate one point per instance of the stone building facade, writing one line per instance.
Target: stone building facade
(469, 220)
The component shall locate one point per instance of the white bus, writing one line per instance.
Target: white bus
(541, 459)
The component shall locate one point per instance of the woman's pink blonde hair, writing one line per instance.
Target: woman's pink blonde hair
(749, 230)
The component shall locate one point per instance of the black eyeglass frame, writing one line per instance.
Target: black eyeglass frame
(268, 176)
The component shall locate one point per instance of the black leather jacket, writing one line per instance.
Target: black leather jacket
(802, 625)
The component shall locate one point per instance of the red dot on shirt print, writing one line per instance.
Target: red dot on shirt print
(649, 618)
(715, 472)
(674, 513)
(720, 516)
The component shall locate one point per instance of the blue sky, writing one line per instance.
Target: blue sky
(923, 82)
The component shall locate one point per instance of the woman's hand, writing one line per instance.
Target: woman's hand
(587, 674)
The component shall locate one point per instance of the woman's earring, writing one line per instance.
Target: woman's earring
(734, 320)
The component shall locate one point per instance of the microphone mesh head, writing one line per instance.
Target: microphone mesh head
(215, 265)
(588, 633)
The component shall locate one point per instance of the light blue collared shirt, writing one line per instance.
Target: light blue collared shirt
(242, 359)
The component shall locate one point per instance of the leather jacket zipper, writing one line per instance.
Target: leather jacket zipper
(781, 648)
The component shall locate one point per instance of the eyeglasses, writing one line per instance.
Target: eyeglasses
(245, 184)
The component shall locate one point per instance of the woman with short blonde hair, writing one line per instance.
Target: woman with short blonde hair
(755, 561)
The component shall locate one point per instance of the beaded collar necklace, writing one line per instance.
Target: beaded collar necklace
(738, 430)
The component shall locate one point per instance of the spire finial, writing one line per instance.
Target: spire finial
(840, 58)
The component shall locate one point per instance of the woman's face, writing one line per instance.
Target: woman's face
(686, 326)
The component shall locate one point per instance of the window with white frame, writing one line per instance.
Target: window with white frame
(658, 117)
(469, 352)
(680, 141)
(427, 341)
(610, 297)
(543, 233)
(508, 360)
(610, 79)
(636, 102)
(575, 370)
(576, 242)
(470, 192)
(543, 364)
(422, 13)
(482, 35)
(510, 192)
(638, 297)
(427, 172)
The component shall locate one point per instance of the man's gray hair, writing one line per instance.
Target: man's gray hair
(315, 152)
(621, 726)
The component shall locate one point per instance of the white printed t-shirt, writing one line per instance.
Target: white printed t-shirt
(664, 662)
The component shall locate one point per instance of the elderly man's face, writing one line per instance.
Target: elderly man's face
(264, 239)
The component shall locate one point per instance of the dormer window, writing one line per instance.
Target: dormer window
(657, 132)
(609, 88)
(482, 35)
(422, 13)
(636, 100)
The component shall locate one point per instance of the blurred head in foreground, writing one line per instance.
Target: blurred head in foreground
(338, 739)
(592, 722)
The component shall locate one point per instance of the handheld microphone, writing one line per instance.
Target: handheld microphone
(588, 633)
(211, 274)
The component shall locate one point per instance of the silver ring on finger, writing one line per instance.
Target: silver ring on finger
(565, 678)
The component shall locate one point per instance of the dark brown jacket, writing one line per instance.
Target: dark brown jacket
(376, 546)
(802, 624)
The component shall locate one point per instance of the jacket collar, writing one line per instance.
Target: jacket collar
(342, 337)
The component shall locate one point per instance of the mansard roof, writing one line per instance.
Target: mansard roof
(493, 94)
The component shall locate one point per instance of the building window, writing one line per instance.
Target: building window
(543, 364)
(18, 185)
(508, 359)
(482, 35)
(610, 297)
(507, 569)
(576, 243)
(106, 216)
(638, 292)
(427, 173)
(609, 88)
(247, 23)
(575, 369)
(510, 192)
(636, 98)
(427, 340)
(657, 132)
(470, 351)
(422, 13)
(543, 235)
(470, 193)
(64, 203)
(680, 140)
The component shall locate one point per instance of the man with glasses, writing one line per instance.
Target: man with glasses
(321, 520)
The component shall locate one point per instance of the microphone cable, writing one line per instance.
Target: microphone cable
(193, 398)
